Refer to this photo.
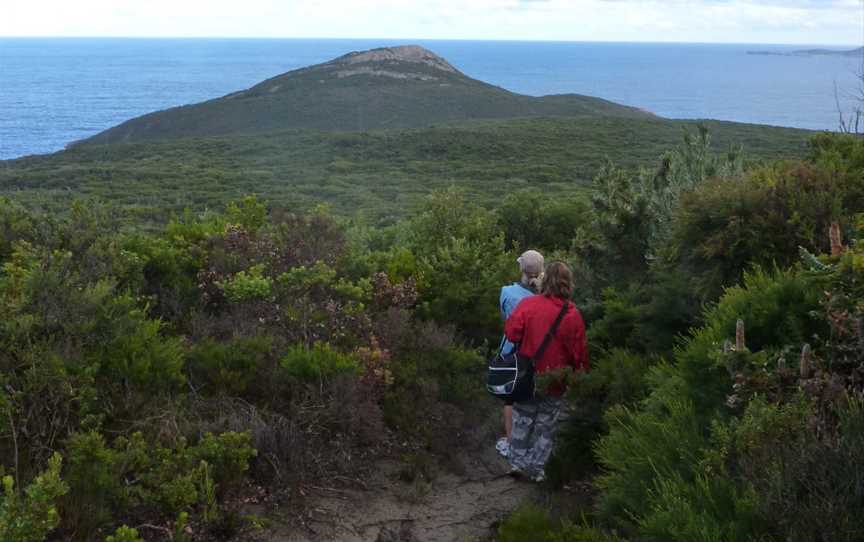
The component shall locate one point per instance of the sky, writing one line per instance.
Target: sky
(839, 22)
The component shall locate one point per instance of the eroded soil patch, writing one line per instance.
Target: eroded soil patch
(450, 507)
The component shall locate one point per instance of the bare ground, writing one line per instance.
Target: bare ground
(451, 507)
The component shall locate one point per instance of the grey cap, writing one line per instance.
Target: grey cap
(531, 261)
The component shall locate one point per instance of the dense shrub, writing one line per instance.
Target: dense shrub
(462, 265)
(92, 346)
(124, 534)
(531, 221)
(30, 516)
(733, 443)
(131, 474)
(665, 438)
(841, 153)
(317, 363)
(170, 365)
(230, 367)
(616, 378)
(93, 473)
(805, 485)
(17, 224)
(724, 226)
(533, 524)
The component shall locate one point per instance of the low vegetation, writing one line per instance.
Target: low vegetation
(381, 176)
(155, 378)
(726, 400)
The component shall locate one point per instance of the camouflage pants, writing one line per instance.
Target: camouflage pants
(535, 424)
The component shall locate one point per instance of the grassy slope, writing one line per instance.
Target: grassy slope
(318, 98)
(383, 173)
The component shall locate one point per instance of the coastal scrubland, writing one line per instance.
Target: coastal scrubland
(161, 368)
(381, 176)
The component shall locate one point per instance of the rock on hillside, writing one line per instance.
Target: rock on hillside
(393, 87)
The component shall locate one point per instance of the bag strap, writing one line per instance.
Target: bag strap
(551, 333)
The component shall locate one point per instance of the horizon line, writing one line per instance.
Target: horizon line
(409, 40)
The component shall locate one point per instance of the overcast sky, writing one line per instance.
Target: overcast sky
(735, 21)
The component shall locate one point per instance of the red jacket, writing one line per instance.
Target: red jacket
(532, 319)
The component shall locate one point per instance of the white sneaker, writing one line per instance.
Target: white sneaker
(503, 447)
(540, 478)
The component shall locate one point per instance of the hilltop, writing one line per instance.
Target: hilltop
(393, 87)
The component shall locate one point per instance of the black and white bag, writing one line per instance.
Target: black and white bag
(511, 376)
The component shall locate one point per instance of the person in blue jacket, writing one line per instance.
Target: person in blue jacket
(531, 266)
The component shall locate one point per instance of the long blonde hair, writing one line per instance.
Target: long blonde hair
(535, 283)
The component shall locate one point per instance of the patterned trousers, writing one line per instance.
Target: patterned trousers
(535, 424)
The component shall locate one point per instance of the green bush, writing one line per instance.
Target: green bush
(230, 367)
(169, 269)
(777, 311)
(665, 438)
(462, 265)
(228, 454)
(843, 154)
(17, 224)
(244, 286)
(616, 378)
(530, 220)
(173, 477)
(641, 448)
(582, 533)
(139, 355)
(429, 378)
(320, 361)
(705, 508)
(31, 516)
(433, 378)
(615, 244)
(248, 213)
(455, 371)
(96, 492)
(528, 524)
(617, 321)
(726, 226)
(124, 534)
(106, 482)
(532, 524)
(192, 228)
(805, 476)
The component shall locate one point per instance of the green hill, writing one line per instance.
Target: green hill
(398, 87)
(384, 174)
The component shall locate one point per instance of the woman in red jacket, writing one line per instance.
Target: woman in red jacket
(536, 422)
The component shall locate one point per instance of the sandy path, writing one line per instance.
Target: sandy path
(450, 508)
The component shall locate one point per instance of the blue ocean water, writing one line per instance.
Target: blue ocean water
(54, 91)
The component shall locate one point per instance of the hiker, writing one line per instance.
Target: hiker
(536, 421)
(531, 267)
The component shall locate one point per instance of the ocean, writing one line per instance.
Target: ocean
(54, 91)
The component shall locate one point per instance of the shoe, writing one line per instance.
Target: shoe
(540, 478)
(503, 447)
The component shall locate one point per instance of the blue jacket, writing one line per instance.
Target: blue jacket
(510, 297)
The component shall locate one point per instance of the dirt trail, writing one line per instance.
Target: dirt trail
(449, 508)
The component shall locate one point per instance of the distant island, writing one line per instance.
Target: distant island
(812, 52)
